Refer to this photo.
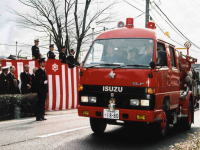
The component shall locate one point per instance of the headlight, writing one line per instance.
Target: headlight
(134, 102)
(92, 99)
(144, 102)
(84, 99)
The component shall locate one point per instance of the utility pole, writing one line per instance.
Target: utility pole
(147, 12)
(16, 49)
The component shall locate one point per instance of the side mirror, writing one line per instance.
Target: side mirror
(152, 65)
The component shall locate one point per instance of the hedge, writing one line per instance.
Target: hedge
(17, 105)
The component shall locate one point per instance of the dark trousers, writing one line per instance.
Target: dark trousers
(40, 105)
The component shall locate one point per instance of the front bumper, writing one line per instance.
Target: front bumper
(124, 114)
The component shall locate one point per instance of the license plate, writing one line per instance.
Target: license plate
(111, 114)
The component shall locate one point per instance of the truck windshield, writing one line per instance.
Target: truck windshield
(120, 52)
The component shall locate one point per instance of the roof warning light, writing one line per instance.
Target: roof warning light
(129, 22)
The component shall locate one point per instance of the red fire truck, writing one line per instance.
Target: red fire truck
(131, 76)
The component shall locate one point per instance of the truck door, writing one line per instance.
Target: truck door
(163, 74)
(175, 78)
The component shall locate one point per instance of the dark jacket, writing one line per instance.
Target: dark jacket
(4, 84)
(25, 79)
(35, 52)
(62, 57)
(51, 55)
(34, 84)
(13, 84)
(41, 77)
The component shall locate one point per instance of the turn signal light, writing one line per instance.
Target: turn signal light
(150, 90)
(80, 88)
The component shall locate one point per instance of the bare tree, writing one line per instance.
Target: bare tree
(63, 19)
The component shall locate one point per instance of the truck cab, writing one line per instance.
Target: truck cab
(129, 75)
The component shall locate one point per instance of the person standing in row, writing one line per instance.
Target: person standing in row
(35, 50)
(25, 80)
(34, 88)
(62, 55)
(42, 90)
(50, 54)
(13, 82)
(4, 84)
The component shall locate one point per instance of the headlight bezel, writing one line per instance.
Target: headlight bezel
(92, 99)
(145, 102)
(140, 102)
(135, 100)
(88, 99)
(84, 99)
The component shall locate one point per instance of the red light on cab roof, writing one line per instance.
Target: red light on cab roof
(151, 25)
(129, 22)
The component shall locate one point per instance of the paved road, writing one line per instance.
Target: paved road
(65, 130)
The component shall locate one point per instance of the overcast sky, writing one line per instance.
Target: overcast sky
(183, 13)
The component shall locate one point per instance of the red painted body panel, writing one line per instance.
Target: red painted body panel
(124, 77)
(128, 33)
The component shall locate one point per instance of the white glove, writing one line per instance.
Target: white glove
(45, 82)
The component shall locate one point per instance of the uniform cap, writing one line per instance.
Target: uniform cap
(51, 45)
(5, 68)
(41, 60)
(36, 40)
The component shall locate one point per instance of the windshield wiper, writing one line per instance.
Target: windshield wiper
(138, 65)
(103, 65)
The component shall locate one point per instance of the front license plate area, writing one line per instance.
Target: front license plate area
(110, 114)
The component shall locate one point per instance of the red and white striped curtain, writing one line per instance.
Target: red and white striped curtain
(62, 82)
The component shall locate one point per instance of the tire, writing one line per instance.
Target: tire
(161, 128)
(98, 126)
(187, 122)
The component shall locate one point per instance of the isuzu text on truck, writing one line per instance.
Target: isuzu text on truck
(129, 75)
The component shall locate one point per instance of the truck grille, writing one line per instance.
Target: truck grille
(122, 98)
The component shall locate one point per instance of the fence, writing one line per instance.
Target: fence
(62, 82)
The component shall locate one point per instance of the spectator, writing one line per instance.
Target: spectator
(62, 55)
(4, 84)
(42, 90)
(35, 50)
(72, 52)
(26, 80)
(34, 88)
(50, 54)
(13, 82)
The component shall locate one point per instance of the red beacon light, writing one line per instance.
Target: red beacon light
(151, 25)
(129, 22)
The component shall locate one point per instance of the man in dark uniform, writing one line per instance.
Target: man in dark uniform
(13, 82)
(50, 54)
(34, 88)
(62, 55)
(42, 90)
(26, 80)
(35, 50)
(4, 84)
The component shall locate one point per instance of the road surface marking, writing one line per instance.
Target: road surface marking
(62, 132)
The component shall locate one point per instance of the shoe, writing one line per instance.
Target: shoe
(39, 119)
(44, 119)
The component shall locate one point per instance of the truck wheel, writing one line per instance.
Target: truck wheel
(98, 126)
(162, 127)
(187, 122)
